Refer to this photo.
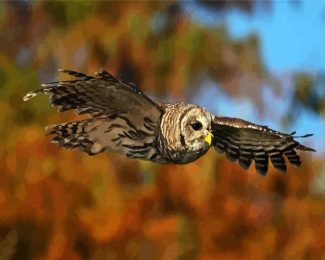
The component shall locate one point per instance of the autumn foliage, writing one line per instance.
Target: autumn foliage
(59, 204)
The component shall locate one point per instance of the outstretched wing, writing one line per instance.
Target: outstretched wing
(122, 117)
(247, 142)
(97, 95)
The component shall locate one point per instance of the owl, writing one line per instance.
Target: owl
(122, 119)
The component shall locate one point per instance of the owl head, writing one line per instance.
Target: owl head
(195, 129)
(186, 131)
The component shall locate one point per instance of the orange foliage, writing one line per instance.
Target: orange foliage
(58, 204)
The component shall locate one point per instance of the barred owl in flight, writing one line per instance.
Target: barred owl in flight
(123, 119)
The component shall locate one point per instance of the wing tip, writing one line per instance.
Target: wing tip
(29, 95)
(303, 147)
(66, 71)
(306, 148)
(74, 73)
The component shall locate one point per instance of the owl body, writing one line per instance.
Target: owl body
(123, 119)
(174, 140)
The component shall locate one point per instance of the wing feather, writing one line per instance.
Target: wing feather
(96, 95)
(247, 142)
(123, 119)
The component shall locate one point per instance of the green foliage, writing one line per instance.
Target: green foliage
(68, 13)
(309, 92)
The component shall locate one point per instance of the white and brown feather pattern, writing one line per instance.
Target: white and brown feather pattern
(98, 95)
(71, 135)
(122, 118)
(174, 139)
(113, 134)
(171, 138)
(247, 142)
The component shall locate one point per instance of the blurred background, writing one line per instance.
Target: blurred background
(262, 61)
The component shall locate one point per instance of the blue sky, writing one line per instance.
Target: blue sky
(292, 39)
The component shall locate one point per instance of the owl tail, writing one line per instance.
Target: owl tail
(72, 135)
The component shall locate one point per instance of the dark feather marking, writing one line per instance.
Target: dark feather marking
(109, 130)
(149, 124)
(134, 135)
(145, 134)
(145, 145)
(245, 159)
(154, 156)
(113, 116)
(148, 127)
(140, 133)
(129, 123)
(139, 151)
(293, 157)
(128, 135)
(104, 75)
(231, 155)
(115, 139)
(74, 73)
(112, 126)
(148, 120)
(182, 139)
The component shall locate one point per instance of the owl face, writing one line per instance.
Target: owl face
(185, 132)
(195, 128)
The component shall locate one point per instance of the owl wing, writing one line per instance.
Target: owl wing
(247, 142)
(101, 94)
(122, 118)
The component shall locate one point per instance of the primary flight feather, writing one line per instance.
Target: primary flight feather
(122, 119)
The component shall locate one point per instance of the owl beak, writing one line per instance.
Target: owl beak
(208, 138)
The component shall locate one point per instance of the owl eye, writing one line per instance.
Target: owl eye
(197, 126)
